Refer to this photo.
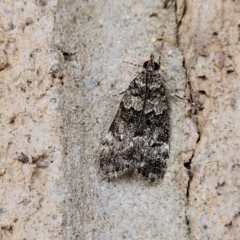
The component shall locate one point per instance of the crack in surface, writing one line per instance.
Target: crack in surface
(193, 112)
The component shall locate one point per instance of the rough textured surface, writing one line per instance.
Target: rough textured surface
(101, 35)
(30, 149)
(209, 38)
(61, 73)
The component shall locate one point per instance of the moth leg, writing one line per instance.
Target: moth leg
(172, 94)
(122, 92)
(159, 61)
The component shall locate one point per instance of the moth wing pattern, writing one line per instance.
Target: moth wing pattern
(138, 138)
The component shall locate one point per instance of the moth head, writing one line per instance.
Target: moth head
(150, 65)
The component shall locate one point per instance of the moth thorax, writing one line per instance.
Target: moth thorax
(150, 69)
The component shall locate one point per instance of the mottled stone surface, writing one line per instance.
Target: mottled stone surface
(209, 38)
(30, 148)
(101, 35)
(61, 73)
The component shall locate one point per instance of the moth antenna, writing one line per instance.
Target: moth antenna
(136, 65)
(159, 61)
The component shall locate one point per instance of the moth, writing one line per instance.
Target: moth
(138, 138)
